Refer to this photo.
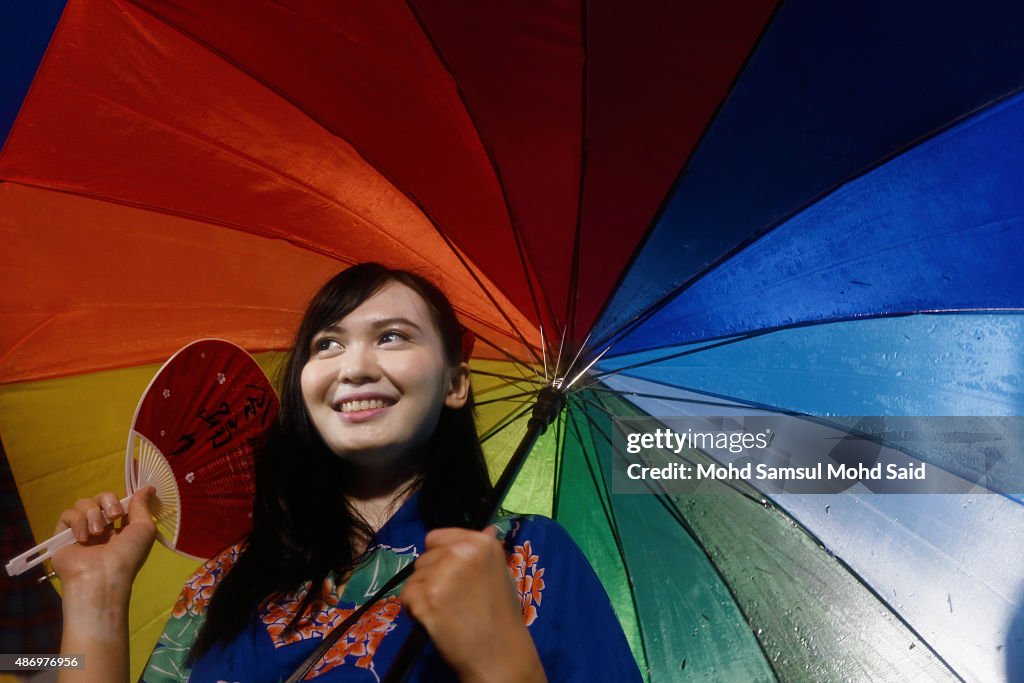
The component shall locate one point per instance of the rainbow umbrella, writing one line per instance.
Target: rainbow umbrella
(805, 207)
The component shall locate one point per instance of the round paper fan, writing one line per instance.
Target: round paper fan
(193, 438)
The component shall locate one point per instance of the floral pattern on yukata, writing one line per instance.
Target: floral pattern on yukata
(529, 578)
(167, 664)
(360, 642)
(535, 547)
(196, 594)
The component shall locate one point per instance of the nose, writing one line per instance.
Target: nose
(358, 365)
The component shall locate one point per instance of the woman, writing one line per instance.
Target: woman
(375, 445)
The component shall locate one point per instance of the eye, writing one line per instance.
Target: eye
(392, 336)
(325, 344)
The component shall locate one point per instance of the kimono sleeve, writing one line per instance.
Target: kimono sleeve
(565, 607)
(167, 663)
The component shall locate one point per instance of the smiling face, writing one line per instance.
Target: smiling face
(376, 380)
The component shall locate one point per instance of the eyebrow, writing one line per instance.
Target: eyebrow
(378, 324)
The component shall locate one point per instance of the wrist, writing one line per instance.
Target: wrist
(90, 596)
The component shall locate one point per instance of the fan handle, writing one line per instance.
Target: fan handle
(23, 563)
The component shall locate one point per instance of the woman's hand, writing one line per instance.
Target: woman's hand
(104, 556)
(462, 593)
(96, 575)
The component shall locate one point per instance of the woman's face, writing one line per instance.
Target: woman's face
(376, 380)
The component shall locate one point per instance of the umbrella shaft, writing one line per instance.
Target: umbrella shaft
(549, 403)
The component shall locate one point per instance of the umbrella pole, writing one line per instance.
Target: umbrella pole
(550, 402)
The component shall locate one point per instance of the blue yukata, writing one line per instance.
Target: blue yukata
(564, 607)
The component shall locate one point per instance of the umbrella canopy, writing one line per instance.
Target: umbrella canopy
(792, 206)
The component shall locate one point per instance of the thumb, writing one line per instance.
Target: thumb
(138, 506)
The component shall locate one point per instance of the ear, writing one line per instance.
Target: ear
(458, 387)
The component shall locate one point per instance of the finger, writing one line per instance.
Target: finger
(492, 531)
(74, 520)
(96, 520)
(110, 505)
(452, 535)
(446, 536)
(413, 582)
(93, 516)
(418, 597)
(410, 597)
(426, 560)
(412, 590)
(83, 505)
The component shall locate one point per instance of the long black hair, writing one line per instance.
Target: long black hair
(303, 525)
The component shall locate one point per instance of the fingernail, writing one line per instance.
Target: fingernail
(95, 527)
(112, 510)
(83, 537)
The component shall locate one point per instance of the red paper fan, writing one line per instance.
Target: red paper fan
(193, 439)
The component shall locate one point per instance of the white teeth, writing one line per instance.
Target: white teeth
(353, 406)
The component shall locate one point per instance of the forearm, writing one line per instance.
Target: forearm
(96, 626)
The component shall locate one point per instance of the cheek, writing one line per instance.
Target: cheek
(431, 381)
(311, 382)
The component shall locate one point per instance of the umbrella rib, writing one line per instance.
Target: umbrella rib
(559, 455)
(476, 278)
(506, 421)
(689, 401)
(511, 398)
(516, 362)
(505, 398)
(683, 170)
(524, 262)
(572, 299)
(558, 359)
(746, 405)
(600, 487)
(575, 358)
(307, 246)
(584, 370)
(544, 354)
(710, 342)
(510, 378)
(680, 354)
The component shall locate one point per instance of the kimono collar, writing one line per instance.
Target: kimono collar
(405, 527)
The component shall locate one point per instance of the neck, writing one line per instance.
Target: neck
(378, 494)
